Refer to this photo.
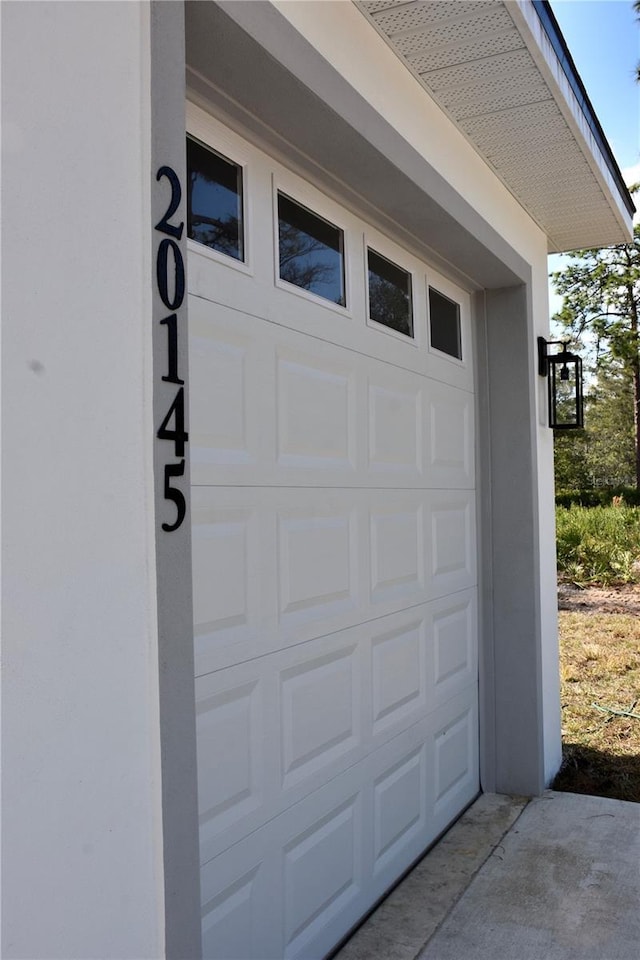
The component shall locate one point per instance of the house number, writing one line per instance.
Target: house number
(171, 284)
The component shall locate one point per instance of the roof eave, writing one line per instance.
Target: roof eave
(502, 72)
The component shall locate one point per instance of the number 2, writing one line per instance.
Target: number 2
(163, 224)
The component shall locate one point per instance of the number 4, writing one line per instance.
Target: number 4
(177, 434)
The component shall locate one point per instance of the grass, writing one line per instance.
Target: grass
(598, 544)
(600, 654)
(600, 668)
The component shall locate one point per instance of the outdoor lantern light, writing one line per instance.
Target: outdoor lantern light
(564, 373)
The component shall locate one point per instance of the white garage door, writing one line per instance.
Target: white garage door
(334, 554)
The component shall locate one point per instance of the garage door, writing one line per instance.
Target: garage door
(334, 553)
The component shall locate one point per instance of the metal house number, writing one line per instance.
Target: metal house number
(170, 284)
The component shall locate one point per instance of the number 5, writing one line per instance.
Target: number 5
(172, 493)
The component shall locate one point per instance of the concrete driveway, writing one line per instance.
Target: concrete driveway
(554, 878)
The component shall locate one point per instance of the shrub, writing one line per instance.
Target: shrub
(597, 496)
(598, 544)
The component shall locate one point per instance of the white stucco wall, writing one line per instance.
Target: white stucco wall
(82, 830)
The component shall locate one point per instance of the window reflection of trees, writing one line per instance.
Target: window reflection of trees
(444, 323)
(389, 304)
(221, 233)
(301, 263)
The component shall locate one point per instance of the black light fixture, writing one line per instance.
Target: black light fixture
(564, 373)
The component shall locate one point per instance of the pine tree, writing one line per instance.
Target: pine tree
(601, 291)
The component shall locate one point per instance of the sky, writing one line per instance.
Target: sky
(603, 37)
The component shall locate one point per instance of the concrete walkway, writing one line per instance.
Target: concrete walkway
(554, 878)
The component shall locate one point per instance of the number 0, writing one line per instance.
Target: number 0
(162, 274)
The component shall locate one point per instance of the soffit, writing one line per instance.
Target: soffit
(491, 69)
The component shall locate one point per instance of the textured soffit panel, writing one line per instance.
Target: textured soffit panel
(473, 60)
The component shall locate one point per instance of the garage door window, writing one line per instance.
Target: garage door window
(214, 201)
(310, 251)
(389, 294)
(444, 324)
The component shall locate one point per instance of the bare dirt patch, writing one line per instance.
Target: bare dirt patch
(620, 599)
(600, 690)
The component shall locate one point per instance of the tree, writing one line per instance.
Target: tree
(570, 468)
(602, 454)
(601, 290)
(610, 455)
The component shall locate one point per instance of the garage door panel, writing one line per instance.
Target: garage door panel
(404, 791)
(451, 558)
(274, 729)
(223, 580)
(396, 427)
(285, 566)
(397, 549)
(323, 875)
(219, 375)
(450, 437)
(223, 281)
(306, 723)
(233, 781)
(316, 421)
(238, 890)
(334, 578)
(226, 930)
(276, 888)
(270, 404)
(305, 565)
(422, 545)
(317, 560)
(320, 713)
(235, 601)
(452, 627)
(399, 806)
(455, 756)
(227, 288)
(227, 369)
(371, 822)
(398, 671)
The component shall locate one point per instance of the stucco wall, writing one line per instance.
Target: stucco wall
(85, 868)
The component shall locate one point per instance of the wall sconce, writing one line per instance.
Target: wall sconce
(564, 376)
